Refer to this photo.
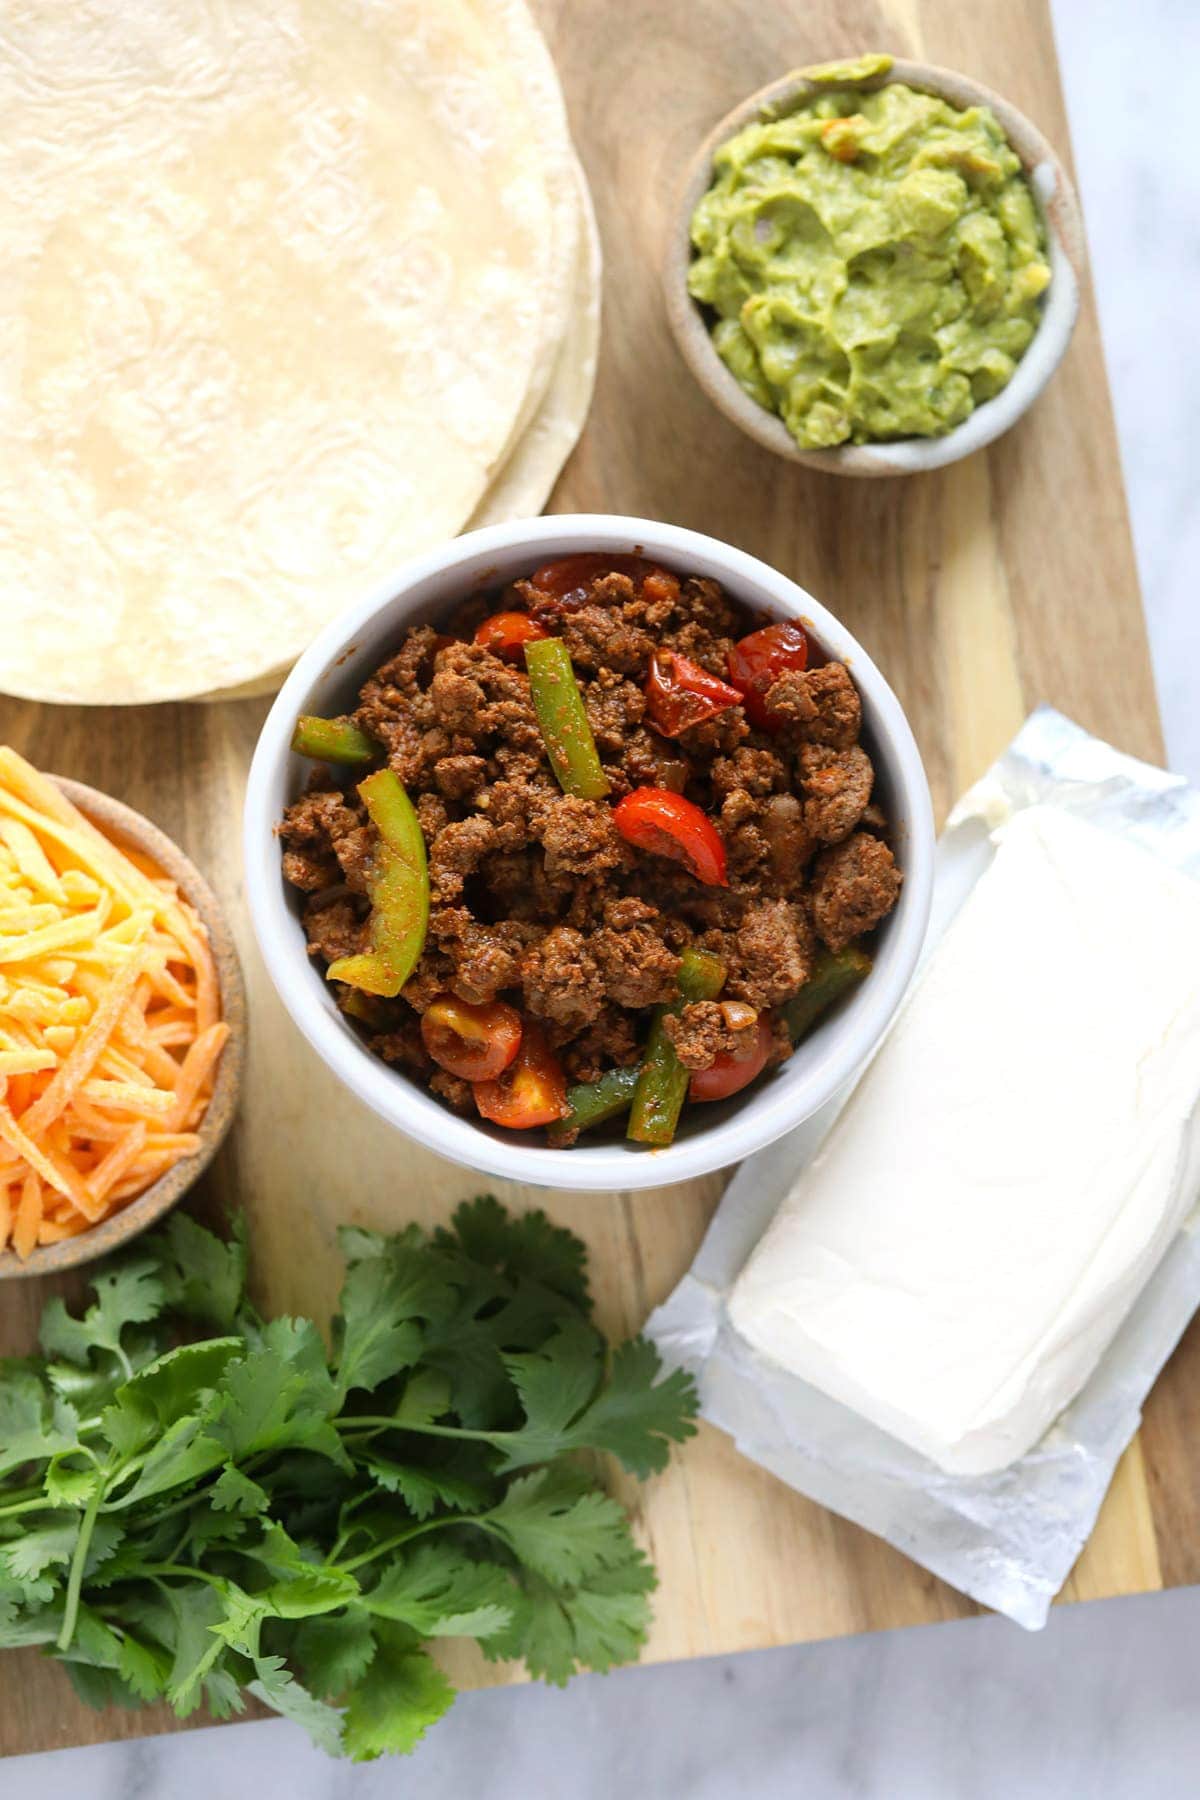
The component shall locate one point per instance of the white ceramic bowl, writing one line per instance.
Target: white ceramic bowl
(326, 680)
(906, 456)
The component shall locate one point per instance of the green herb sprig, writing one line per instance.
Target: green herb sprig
(197, 1504)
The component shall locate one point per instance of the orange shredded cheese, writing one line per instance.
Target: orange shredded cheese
(110, 1028)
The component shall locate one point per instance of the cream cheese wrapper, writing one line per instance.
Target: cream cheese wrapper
(1003, 1365)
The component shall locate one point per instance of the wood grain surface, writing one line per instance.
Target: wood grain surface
(982, 590)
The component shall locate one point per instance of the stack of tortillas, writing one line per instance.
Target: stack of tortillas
(296, 288)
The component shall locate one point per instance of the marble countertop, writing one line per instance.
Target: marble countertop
(1102, 1704)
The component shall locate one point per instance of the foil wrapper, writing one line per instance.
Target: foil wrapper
(1007, 1539)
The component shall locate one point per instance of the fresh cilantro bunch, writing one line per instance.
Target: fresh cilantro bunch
(196, 1504)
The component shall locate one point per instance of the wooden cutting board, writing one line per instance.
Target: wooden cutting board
(981, 591)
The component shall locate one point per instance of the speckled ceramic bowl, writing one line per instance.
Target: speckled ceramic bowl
(126, 827)
(906, 456)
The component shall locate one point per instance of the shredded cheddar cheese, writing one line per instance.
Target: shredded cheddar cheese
(110, 1027)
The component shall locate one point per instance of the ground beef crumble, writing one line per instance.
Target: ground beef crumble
(535, 896)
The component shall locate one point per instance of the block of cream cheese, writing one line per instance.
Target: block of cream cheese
(1013, 1164)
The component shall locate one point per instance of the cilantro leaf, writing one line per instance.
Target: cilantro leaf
(197, 1608)
(278, 1688)
(100, 1687)
(439, 1592)
(267, 1403)
(37, 1549)
(595, 1625)
(94, 1640)
(88, 1390)
(223, 1694)
(610, 1614)
(637, 1417)
(632, 1415)
(426, 1398)
(357, 1244)
(300, 1587)
(52, 1545)
(235, 1492)
(166, 1391)
(144, 1667)
(557, 1523)
(70, 1481)
(423, 1490)
(33, 1425)
(386, 1300)
(39, 1623)
(128, 1292)
(185, 1452)
(399, 1697)
(334, 1650)
(522, 1246)
(202, 1277)
(555, 1385)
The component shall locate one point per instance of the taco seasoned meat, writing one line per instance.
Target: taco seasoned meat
(661, 824)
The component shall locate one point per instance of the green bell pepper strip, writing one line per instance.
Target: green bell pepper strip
(835, 972)
(663, 1082)
(563, 720)
(398, 889)
(595, 1102)
(332, 740)
(365, 1008)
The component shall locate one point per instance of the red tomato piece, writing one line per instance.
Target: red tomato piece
(730, 1073)
(476, 1042)
(566, 582)
(506, 634)
(531, 1091)
(655, 819)
(680, 693)
(756, 663)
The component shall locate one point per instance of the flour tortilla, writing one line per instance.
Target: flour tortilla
(522, 487)
(284, 283)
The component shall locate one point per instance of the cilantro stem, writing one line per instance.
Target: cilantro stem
(182, 1569)
(40, 1504)
(75, 1581)
(26, 1491)
(377, 1422)
(404, 1537)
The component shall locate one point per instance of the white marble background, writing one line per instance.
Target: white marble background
(1103, 1705)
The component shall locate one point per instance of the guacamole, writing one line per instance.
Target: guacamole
(874, 261)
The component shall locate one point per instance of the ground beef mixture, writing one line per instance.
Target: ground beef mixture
(543, 899)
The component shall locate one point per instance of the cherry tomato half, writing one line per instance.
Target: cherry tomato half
(566, 583)
(476, 1042)
(680, 693)
(655, 819)
(531, 1091)
(506, 634)
(756, 663)
(731, 1072)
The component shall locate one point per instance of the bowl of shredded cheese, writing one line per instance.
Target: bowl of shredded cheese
(121, 1022)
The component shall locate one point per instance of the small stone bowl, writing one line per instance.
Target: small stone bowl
(906, 456)
(129, 829)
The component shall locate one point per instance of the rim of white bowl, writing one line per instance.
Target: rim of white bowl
(392, 1095)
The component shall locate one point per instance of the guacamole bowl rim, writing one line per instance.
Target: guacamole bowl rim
(1060, 212)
